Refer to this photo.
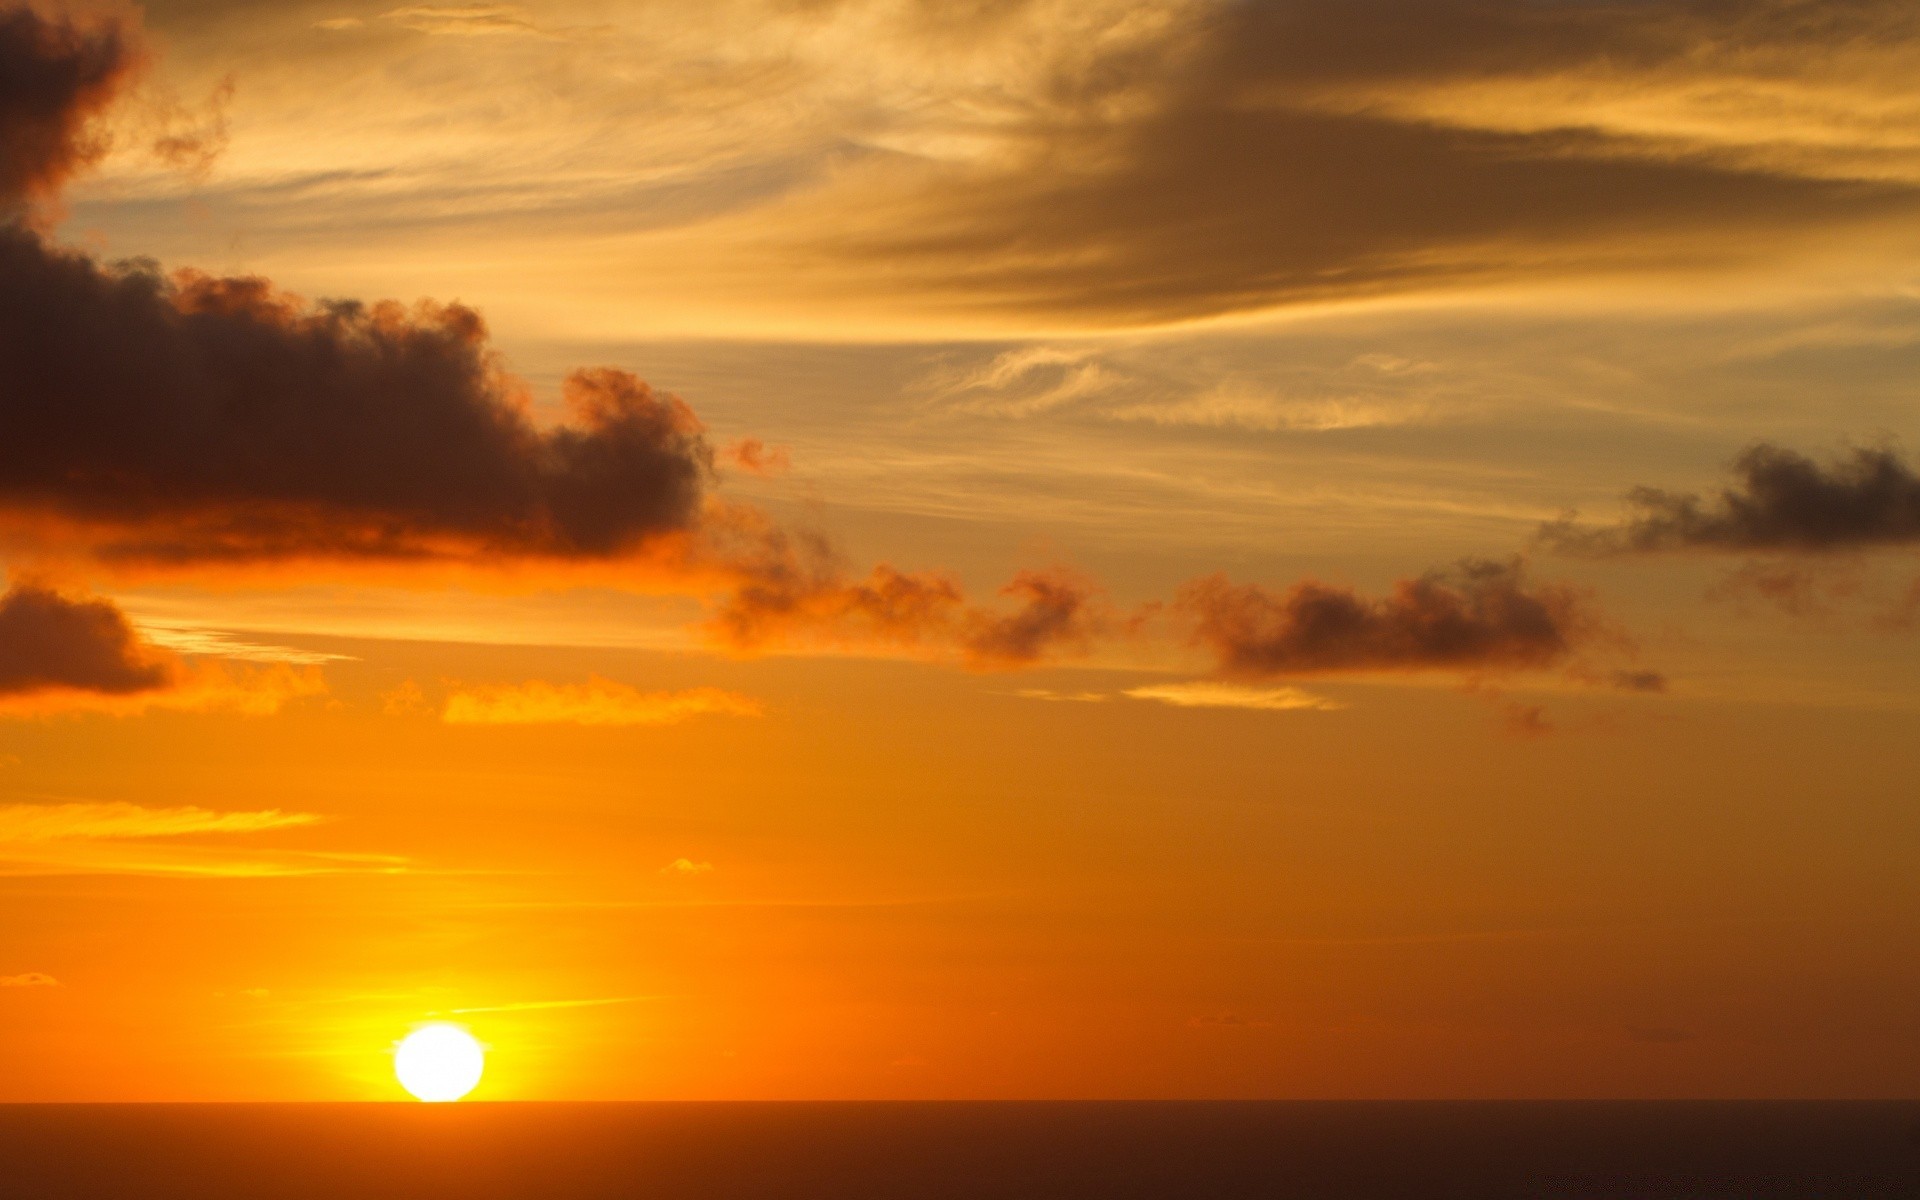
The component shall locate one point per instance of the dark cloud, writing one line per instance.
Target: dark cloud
(1783, 501)
(794, 593)
(1476, 617)
(49, 642)
(1253, 164)
(190, 417)
(55, 75)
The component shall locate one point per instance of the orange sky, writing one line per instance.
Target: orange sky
(920, 550)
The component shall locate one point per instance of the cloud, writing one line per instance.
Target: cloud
(686, 867)
(193, 418)
(1245, 156)
(56, 74)
(32, 979)
(59, 654)
(596, 702)
(799, 598)
(470, 20)
(202, 419)
(1227, 695)
(118, 838)
(1783, 501)
(757, 458)
(21, 823)
(49, 642)
(1476, 617)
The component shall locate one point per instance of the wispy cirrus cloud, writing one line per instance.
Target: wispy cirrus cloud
(120, 838)
(24, 823)
(1209, 694)
(595, 702)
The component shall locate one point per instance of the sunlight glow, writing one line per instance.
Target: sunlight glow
(439, 1062)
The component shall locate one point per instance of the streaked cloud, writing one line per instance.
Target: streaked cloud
(1207, 694)
(596, 702)
(119, 838)
(464, 20)
(32, 979)
(59, 822)
(221, 643)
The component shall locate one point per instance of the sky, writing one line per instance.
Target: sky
(829, 549)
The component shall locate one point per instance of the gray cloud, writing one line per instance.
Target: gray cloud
(1783, 501)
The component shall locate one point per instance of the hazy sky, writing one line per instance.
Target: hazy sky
(984, 548)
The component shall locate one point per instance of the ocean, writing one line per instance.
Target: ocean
(961, 1151)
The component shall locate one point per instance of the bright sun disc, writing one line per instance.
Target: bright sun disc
(438, 1062)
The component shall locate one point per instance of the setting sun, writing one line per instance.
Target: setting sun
(439, 1063)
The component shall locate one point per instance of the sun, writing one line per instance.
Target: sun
(439, 1062)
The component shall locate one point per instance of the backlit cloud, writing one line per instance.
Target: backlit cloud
(802, 601)
(1476, 617)
(1784, 501)
(56, 74)
(60, 654)
(49, 642)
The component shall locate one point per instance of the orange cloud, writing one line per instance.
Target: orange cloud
(797, 603)
(757, 458)
(32, 979)
(59, 822)
(596, 702)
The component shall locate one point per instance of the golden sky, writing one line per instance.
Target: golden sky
(984, 548)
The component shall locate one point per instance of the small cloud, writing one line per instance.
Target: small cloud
(1640, 681)
(32, 979)
(1063, 697)
(1525, 720)
(407, 700)
(340, 24)
(596, 702)
(21, 823)
(685, 868)
(1228, 695)
(255, 993)
(470, 20)
(757, 458)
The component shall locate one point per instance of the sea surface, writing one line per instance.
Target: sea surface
(1314, 1151)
